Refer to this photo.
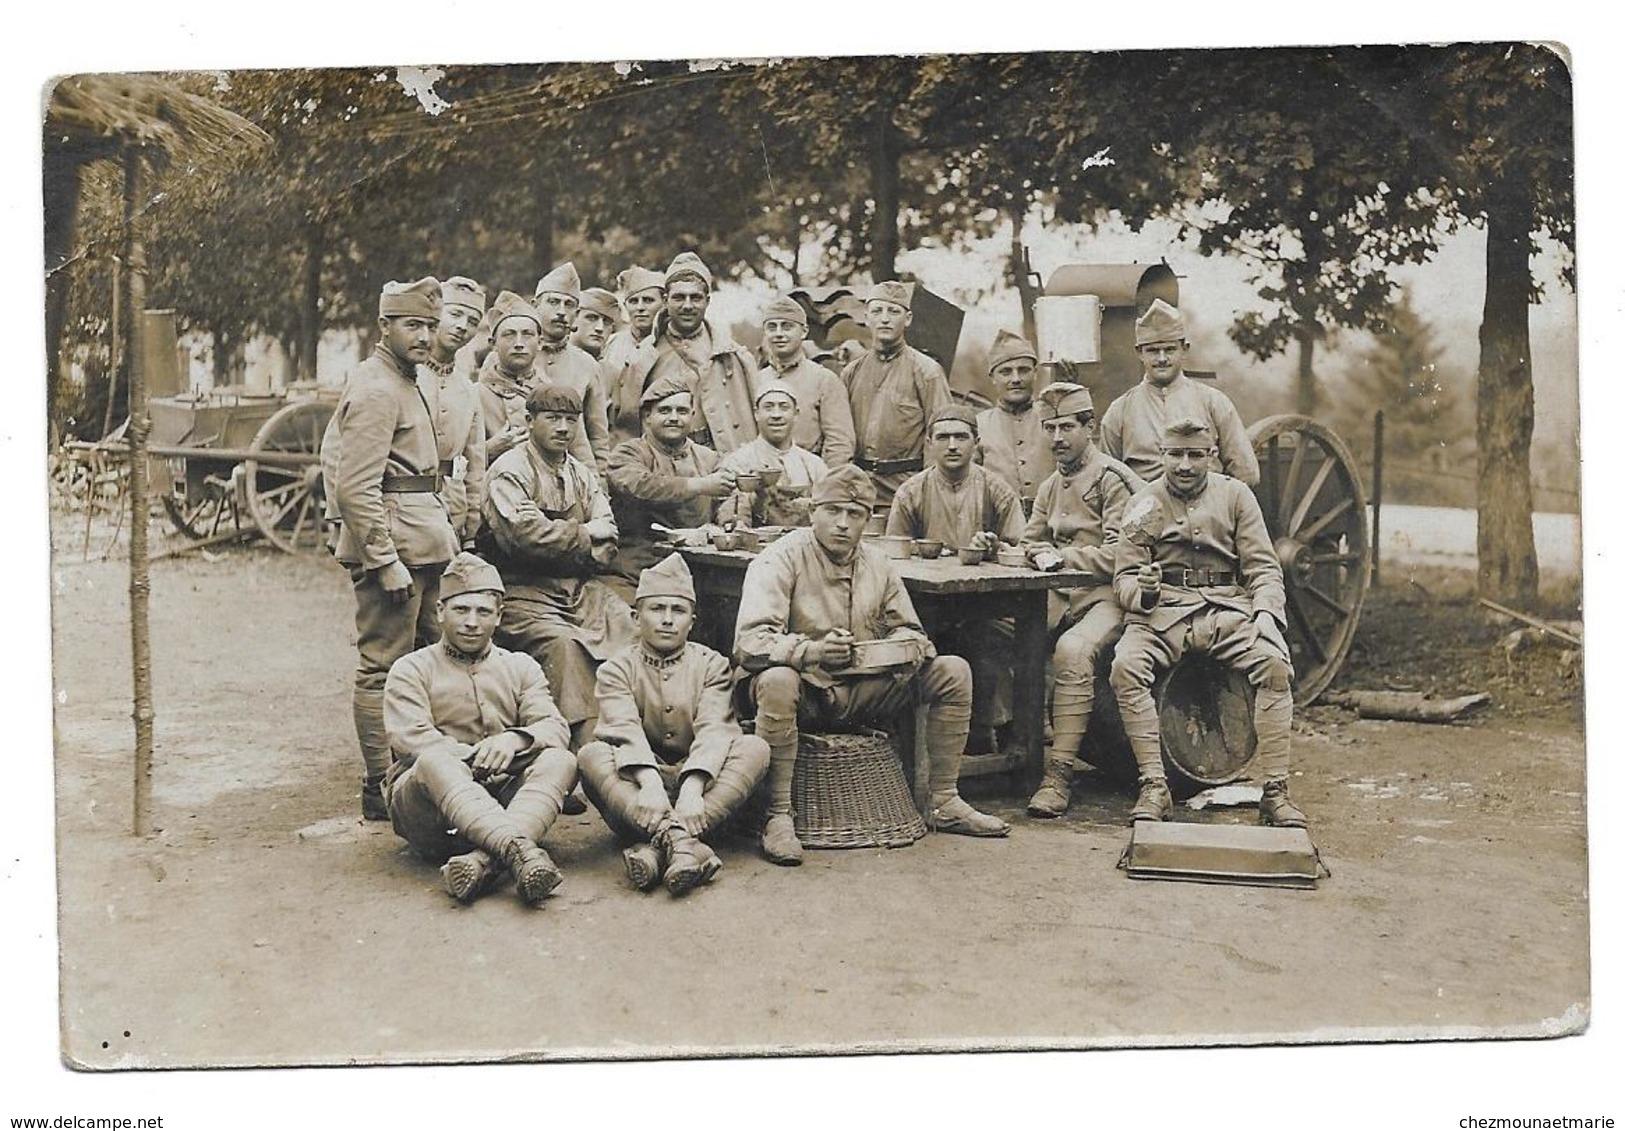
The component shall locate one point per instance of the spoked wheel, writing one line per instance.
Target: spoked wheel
(1314, 505)
(283, 491)
(205, 512)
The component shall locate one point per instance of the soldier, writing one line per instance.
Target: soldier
(1076, 520)
(894, 391)
(446, 381)
(509, 375)
(1195, 571)
(643, 294)
(480, 769)
(787, 501)
(381, 442)
(1132, 428)
(1014, 446)
(671, 764)
(550, 530)
(961, 505)
(597, 319)
(824, 417)
(558, 299)
(662, 477)
(808, 598)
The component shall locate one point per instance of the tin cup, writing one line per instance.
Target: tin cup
(748, 481)
(928, 548)
(970, 555)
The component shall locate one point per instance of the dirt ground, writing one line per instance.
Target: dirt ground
(266, 924)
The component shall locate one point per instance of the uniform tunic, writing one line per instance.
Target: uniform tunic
(1133, 425)
(720, 373)
(454, 406)
(574, 368)
(1015, 448)
(556, 608)
(928, 505)
(625, 363)
(648, 483)
(502, 407)
(823, 414)
(892, 398)
(1078, 513)
(787, 502)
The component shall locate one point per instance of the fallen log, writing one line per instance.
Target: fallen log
(1407, 706)
(1532, 621)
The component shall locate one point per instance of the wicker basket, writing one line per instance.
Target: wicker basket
(849, 792)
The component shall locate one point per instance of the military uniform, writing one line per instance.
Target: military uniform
(720, 373)
(502, 407)
(1132, 428)
(824, 417)
(787, 502)
(573, 368)
(649, 483)
(892, 396)
(1015, 449)
(453, 401)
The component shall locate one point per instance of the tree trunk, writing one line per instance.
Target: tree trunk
(1306, 368)
(310, 304)
(140, 425)
(1507, 569)
(1018, 270)
(541, 236)
(883, 176)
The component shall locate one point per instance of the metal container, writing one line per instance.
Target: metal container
(1015, 559)
(969, 555)
(892, 545)
(928, 548)
(883, 653)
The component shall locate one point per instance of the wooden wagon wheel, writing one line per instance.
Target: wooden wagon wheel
(1314, 506)
(202, 514)
(285, 497)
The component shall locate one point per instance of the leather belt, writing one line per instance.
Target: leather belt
(411, 484)
(448, 468)
(890, 466)
(1194, 578)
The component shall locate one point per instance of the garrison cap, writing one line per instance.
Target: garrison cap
(1064, 399)
(688, 263)
(549, 397)
(954, 411)
(470, 573)
(562, 280)
(509, 305)
(1186, 431)
(669, 577)
(599, 300)
(1008, 347)
(774, 385)
(635, 279)
(460, 290)
(1160, 323)
(891, 291)
(661, 388)
(410, 300)
(786, 308)
(848, 483)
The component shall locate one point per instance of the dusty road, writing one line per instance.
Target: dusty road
(266, 925)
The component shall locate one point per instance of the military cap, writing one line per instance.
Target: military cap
(410, 300)
(661, 388)
(509, 305)
(688, 263)
(635, 279)
(460, 290)
(1186, 431)
(669, 577)
(470, 573)
(599, 300)
(774, 385)
(1008, 347)
(953, 411)
(848, 483)
(549, 397)
(561, 280)
(892, 291)
(1064, 399)
(1160, 323)
(786, 308)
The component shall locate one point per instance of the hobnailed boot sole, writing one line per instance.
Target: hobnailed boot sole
(689, 870)
(469, 876)
(642, 866)
(536, 875)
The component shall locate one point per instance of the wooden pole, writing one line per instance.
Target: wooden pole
(140, 426)
(113, 351)
(1376, 500)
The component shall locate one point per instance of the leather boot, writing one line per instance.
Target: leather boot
(642, 865)
(689, 860)
(469, 876)
(373, 807)
(956, 815)
(533, 870)
(1055, 791)
(1154, 802)
(1276, 808)
(779, 841)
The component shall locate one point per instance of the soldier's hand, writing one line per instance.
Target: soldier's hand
(601, 529)
(690, 806)
(1150, 579)
(837, 649)
(396, 581)
(1269, 630)
(494, 754)
(984, 540)
(652, 803)
(715, 485)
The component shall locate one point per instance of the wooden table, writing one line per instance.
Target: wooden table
(938, 588)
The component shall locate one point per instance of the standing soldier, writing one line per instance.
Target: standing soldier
(643, 294)
(551, 532)
(1132, 428)
(808, 598)
(1077, 516)
(447, 384)
(510, 374)
(1196, 572)
(894, 390)
(480, 770)
(560, 362)
(788, 500)
(823, 417)
(597, 319)
(670, 764)
(1013, 443)
(380, 467)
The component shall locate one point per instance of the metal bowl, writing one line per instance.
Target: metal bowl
(928, 548)
(882, 653)
(1012, 558)
(970, 555)
(725, 541)
(771, 476)
(748, 481)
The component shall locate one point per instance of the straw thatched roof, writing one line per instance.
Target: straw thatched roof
(96, 115)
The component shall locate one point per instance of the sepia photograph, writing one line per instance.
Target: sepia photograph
(752, 564)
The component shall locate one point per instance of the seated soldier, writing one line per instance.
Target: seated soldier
(1077, 516)
(480, 768)
(959, 503)
(808, 598)
(1196, 572)
(787, 502)
(670, 764)
(550, 530)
